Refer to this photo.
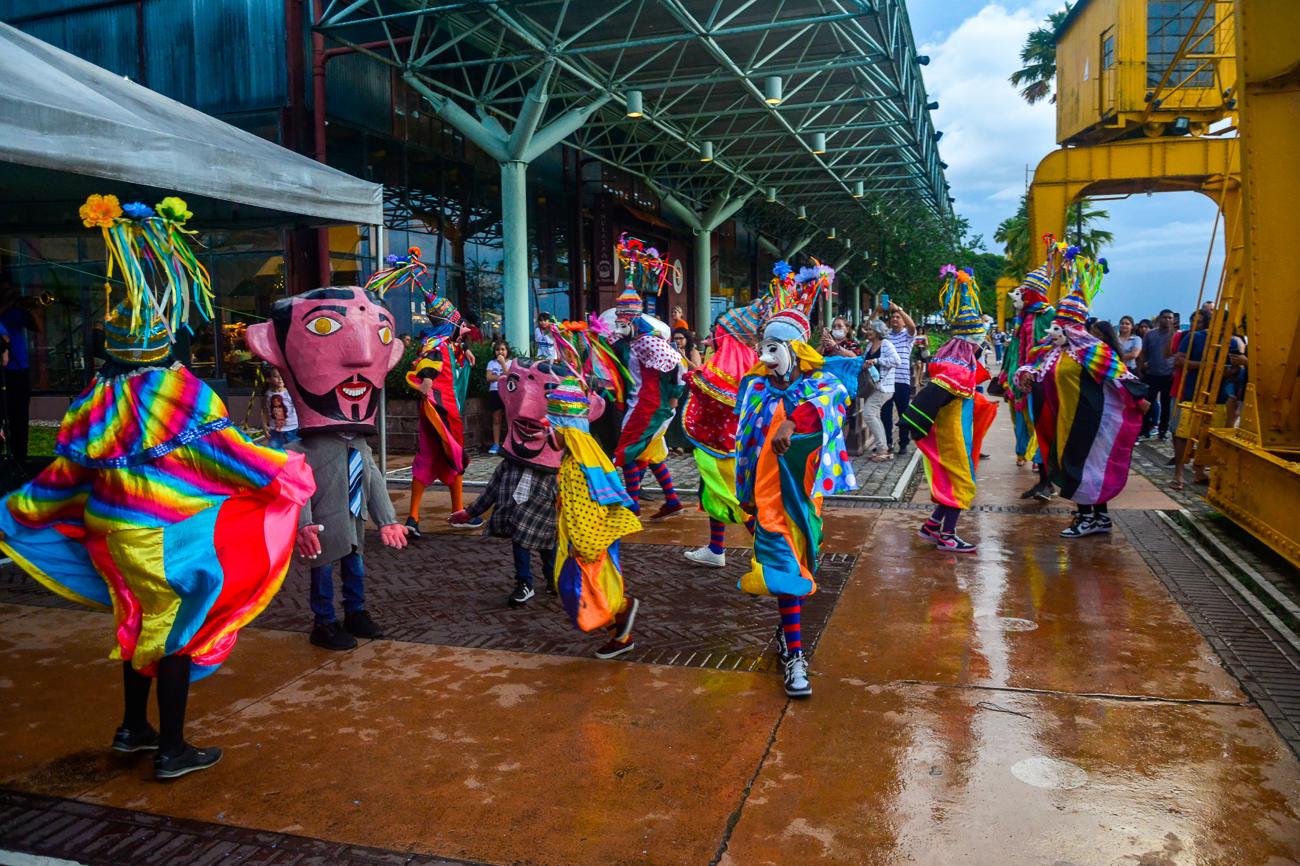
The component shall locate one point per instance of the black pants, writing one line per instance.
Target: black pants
(901, 400)
(18, 398)
(1158, 388)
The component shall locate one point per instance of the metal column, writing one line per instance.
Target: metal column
(703, 280)
(514, 242)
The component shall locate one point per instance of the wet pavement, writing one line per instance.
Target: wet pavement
(1041, 702)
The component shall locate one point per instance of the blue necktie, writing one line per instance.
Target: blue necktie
(356, 468)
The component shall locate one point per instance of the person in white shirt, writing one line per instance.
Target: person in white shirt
(902, 330)
(546, 347)
(496, 371)
(880, 355)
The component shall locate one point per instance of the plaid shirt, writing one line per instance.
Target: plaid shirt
(531, 523)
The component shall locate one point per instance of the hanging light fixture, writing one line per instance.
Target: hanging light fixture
(819, 142)
(803, 212)
(771, 195)
(772, 90)
(830, 235)
(706, 152)
(635, 103)
(859, 189)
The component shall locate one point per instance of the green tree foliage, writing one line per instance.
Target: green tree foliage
(1038, 60)
(1083, 228)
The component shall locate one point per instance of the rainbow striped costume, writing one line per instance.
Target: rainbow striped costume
(157, 506)
(785, 492)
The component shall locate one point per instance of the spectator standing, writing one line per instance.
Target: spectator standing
(884, 362)
(901, 332)
(1130, 344)
(17, 320)
(473, 333)
(684, 343)
(1158, 373)
(546, 347)
(679, 319)
(496, 371)
(279, 417)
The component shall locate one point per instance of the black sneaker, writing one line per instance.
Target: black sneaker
(413, 528)
(1103, 522)
(128, 741)
(1081, 525)
(1043, 491)
(359, 624)
(331, 636)
(190, 760)
(613, 648)
(795, 674)
(521, 596)
(623, 622)
(782, 648)
(954, 543)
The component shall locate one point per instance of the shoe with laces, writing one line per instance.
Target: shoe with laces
(359, 624)
(1103, 522)
(666, 511)
(1086, 524)
(521, 596)
(188, 760)
(929, 531)
(472, 523)
(495, 449)
(412, 528)
(127, 741)
(704, 556)
(796, 677)
(782, 648)
(624, 621)
(953, 543)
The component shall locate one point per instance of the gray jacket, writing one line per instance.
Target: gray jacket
(327, 455)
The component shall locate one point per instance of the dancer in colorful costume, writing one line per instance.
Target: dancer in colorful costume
(1089, 406)
(594, 514)
(334, 346)
(1028, 328)
(790, 453)
(948, 417)
(655, 384)
(709, 421)
(440, 374)
(156, 505)
(523, 491)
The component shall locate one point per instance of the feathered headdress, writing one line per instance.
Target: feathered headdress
(165, 282)
(1083, 277)
(793, 298)
(960, 300)
(644, 270)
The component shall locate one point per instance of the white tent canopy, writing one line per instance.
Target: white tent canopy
(60, 114)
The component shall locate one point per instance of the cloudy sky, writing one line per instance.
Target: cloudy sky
(991, 136)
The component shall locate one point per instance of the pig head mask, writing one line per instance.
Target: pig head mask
(334, 346)
(530, 438)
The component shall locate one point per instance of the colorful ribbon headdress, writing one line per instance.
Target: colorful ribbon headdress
(1036, 287)
(960, 300)
(1083, 277)
(403, 271)
(644, 270)
(150, 247)
(793, 299)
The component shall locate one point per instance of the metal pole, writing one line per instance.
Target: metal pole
(378, 250)
(703, 280)
(514, 240)
(857, 306)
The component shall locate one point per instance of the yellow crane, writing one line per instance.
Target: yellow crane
(1202, 95)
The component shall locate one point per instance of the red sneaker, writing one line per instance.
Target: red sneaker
(666, 511)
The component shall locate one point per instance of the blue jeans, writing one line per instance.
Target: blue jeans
(322, 588)
(523, 566)
(279, 439)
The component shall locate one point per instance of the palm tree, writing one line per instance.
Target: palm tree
(1038, 57)
(1082, 228)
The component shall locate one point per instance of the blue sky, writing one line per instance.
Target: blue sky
(991, 136)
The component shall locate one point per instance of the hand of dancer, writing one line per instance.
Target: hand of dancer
(308, 543)
(781, 438)
(426, 387)
(394, 535)
(461, 516)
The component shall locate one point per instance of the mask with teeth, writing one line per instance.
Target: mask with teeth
(778, 357)
(334, 346)
(1056, 334)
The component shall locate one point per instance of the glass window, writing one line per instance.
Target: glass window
(1168, 22)
(1108, 51)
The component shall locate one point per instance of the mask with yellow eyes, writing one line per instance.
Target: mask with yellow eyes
(334, 347)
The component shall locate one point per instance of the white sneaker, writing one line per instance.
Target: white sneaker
(796, 677)
(704, 556)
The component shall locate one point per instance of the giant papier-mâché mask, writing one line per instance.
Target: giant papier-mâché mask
(529, 436)
(334, 346)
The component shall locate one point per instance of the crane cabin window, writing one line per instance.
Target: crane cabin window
(1168, 23)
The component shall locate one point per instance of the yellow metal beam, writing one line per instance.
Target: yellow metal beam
(1004, 285)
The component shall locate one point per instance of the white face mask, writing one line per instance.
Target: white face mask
(1017, 299)
(777, 356)
(623, 329)
(838, 333)
(1056, 334)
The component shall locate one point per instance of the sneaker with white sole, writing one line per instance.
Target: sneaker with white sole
(624, 621)
(1085, 524)
(796, 677)
(782, 648)
(521, 596)
(927, 533)
(954, 543)
(613, 648)
(472, 523)
(704, 556)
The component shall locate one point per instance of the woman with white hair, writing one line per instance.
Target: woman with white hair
(882, 359)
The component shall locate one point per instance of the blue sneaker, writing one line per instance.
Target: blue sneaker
(495, 449)
(474, 523)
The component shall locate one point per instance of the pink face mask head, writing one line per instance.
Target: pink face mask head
(529, 436)
(334, 346)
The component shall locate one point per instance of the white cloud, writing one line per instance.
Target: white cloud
(990, 133)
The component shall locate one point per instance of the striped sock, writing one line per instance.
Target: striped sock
(665, 479)
(790, 605)
(717, 536)
(632, 480)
